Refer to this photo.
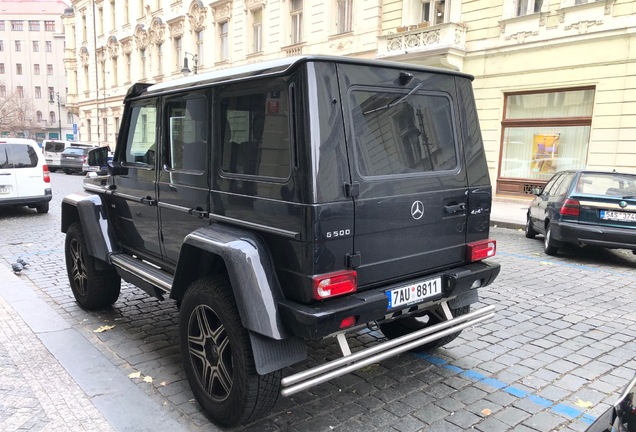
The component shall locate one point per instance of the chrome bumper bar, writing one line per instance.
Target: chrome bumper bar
(344, 365)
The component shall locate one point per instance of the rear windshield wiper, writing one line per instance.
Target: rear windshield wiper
(395, 102)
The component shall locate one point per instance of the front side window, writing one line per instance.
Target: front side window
(402, 133)
(545, 132)
(188, 121)
(141, 145)
(296, 21)
(255, 132)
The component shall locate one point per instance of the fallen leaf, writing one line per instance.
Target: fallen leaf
(148, 379)
(162, 383)
(134, 375)
(486, 412)
(583, 404)
(104, 328)
(546, 263)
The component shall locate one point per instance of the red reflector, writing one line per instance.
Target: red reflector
(45, 174)
(348, 322)
(480, 250)
(570, 208)
(334, 284)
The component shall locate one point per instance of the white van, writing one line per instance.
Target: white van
(24, 177)
(52, 150)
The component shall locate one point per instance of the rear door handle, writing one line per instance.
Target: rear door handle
(199, 212)
(149, 201)
(457, 208)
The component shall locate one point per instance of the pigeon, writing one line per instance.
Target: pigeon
(21, 261)
(16, 267)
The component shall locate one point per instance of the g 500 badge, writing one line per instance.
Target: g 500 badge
(338, 233)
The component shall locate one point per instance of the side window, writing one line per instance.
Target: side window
(550, 185)
(187, 120)
(255, 132)
(141, 147)
(564, 184)
(402, 132)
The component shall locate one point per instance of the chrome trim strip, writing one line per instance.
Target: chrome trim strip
(126, 264)
(606, 205)
(344, 365)
(174, 207)
(94, 188)
(278, 231)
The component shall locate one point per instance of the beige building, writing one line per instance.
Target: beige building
(32, 75)
(555, 80)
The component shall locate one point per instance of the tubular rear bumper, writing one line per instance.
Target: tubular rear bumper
(594, 235)
(322, 319)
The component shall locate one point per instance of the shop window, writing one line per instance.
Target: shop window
(545, 132)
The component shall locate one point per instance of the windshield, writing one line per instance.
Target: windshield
(54, 147)
(74, 151)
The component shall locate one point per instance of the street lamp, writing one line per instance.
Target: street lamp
(59, 113)
(186, 70)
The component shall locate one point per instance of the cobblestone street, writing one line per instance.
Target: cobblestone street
(561, 347)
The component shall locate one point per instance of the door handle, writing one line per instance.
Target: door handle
(148, 201)
(452, 209)
(199, 212)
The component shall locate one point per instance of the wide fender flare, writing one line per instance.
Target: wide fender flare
(250, 269)
(89, 211)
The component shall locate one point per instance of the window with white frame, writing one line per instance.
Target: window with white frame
(200, 50)
(34, 25)
(128, 66)
(52, 119)
(49, 69)
(18, 46)
(142, 57)
(49, 46)
(36, 46)
(435, 11)
(100, 21)
(38, 92)
(527, 7)
(224, 48)
(177, 53)
(343, 22)
(36, 69)
(51, 93)
(296, 14)
(49, 26)
(3, 90)
(115, 71)
(159, 49)
(38, 116)
(1, 45)
(69, 117)
(18, 68)
(257, 30)
(20, 91)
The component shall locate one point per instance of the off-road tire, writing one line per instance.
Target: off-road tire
(42, 208)
(403, 326)
(92, 288)
(236, 393)
(529, 230)
(549, 245)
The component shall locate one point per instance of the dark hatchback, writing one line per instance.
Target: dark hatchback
(73, 159)
(585, 208)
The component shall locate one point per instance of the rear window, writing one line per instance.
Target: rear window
(607, 184)
(74, 151)
(17, 156)
(401, 132)
(54, 147)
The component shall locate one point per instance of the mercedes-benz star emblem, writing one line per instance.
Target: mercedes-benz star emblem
(417, 210)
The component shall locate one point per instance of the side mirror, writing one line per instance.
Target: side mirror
(97, 160)
(537, 190)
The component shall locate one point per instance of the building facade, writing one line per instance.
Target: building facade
(555, 80)
(33, 91)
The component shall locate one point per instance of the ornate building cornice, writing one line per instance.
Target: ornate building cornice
(197, 15)
(176, 26)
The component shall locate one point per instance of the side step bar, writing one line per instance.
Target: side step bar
(344, 365)
(143, 270)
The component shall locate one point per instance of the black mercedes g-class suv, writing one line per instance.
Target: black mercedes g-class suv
(290, 200)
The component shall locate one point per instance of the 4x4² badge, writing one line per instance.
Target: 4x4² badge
(417, 210)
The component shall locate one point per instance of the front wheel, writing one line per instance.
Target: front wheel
(403, 326)
(217, 356)
(529, 231)
(549, 245)
(92, 288)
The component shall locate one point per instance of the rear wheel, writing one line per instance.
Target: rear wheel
(42, 208)
(217, 356)
(407, 325)
(530, 232)
(549, 245)
(92, 288)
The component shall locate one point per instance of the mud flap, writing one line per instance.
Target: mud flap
(271, 355)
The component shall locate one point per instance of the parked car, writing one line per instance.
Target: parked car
(73, 159)
(24, 177)
(620, 417)
(290, 200)
(53, 150)
(585, 208)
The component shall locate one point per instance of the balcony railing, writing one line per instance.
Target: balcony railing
(421, 38)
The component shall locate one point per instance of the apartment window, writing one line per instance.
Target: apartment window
(105, 124)
(526, 7)
(2, 68)
(51, 93)
(224, 53)
(159, 59)
(126, 12)
(435, 11)
(1, 25)
(177, 53)
(200, 50)
(36, 69)
(49, 26)
(38, 116)
(69, 117)
(142, 56)
(17, 25)
(49, 46)
(86, 83)
(36, 46)
(344, 15)
(257, 30)
(296, 21)
(116, 128)
(38, 92)
(142, 4)
(34, 25)
(102, 68)
(52, 118)
(1, 45)
(84, 31)
(18, 46)
(100, 21)
(113, 18)
(3, 90)
(545, 132)
(49, 69)
(88, 130)
(115, 72)
(20, 91)
(128, 66)
(18, 68)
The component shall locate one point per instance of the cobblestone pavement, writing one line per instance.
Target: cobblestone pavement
(558, 352)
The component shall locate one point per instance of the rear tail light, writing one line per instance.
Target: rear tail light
(570, 208)
(334, 284)
(480, 250)
(45, 174)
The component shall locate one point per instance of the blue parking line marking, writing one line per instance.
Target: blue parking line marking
(558, 408)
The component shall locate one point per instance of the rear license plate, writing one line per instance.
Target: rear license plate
(414, 293)
(4, 190)
(618, 216)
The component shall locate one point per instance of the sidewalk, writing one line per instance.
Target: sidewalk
(509, 212)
